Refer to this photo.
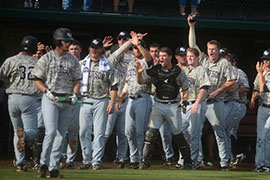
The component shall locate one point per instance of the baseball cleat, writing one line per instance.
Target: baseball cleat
(169, 162)
(178, 165)
(84, 166)
(42, 171)
(144, 165)
(70, 165)
(134, 165)
(21, 168)
(225, 168)
(97, 167)
(199, 165)
(238, 159)
(262, 169)
(21, 140)
(121, 165)
(54, 174)
(186, 167)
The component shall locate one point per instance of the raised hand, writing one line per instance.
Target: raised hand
(134, 38)
(138, 67)
(107, 41)
(140, 35)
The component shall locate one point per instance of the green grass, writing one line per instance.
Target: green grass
(127, 174)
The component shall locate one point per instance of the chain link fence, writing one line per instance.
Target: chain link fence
(226, 9)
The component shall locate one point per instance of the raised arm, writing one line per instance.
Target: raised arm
(191, 35)
(136, 42)
(260, 70)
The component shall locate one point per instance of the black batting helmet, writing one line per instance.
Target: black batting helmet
(29, 44)
(62, 34)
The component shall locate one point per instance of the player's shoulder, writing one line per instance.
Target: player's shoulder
(177, 69)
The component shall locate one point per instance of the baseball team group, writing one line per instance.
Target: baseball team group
(57, 99)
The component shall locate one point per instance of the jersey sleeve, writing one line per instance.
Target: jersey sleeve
(39, 70)
(182, 80)
(5, 70)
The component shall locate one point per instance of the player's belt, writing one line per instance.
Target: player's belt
(169, 102)
(191, 102)
(135, 97)
(210, 101)
(229, 101)
(61, 94)
(266, 105)
(84, 94)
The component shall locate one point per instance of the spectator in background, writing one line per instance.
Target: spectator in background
(193, 5)
(116, 4)
(67, 5)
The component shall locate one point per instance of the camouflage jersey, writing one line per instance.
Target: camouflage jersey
(197, 78)
(265, 96)
(16, 72)
(235, 95)
(243, 84)
(58, 73)
(99, 81)
(120, 68)
(133, 87)
(218, 72)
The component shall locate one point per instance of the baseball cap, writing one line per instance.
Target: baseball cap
(180, 51)
(266, 55)
(96, 43)
(123, 35)
(225, 51)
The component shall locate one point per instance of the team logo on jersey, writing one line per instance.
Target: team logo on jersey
(166, 81)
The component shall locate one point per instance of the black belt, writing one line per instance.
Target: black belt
(84, 94)
(266, 105)
(61, 95)
(191, 102)
(135, 97)
(229, 101)
(210, 101)
(169, 102)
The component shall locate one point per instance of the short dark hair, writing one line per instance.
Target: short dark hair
(154, 45)
(76, 42)
(167, 50)
(194, 51)
(214, 42)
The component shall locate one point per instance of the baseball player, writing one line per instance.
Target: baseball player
(261, 85)
(232, 106)
(180, 56)
(16, 72)
(168, 79)
(98, 78)
(195, 112)
(71, 141)
(165, 129)
(243, 90)
(37, 146)
(119, 58)
(139, 102)
(222, 78)
(57, 74)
